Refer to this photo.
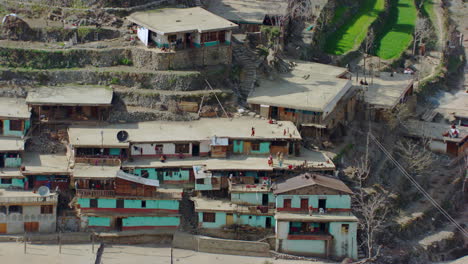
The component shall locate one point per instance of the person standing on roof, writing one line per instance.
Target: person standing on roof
(453, 132)
(253, 132)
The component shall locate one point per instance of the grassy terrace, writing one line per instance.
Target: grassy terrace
(351, 35)
(428, 9)
(397, 34)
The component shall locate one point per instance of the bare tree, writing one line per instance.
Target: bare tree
(417, 157)
(368, 44)
(422, 31)
(371, 207)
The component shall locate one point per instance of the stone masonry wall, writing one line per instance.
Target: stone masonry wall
(184, 59)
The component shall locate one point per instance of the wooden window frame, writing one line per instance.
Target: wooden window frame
(47, 209)
(209, 217)
(6, 181)
(16, 125)
(254, 146)
(183, 148)
(287, 201)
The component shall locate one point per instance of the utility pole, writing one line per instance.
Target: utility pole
(24, 240)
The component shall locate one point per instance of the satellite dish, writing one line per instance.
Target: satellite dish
(122, 136)
(43, 191)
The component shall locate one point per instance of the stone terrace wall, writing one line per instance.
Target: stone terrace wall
(147, 58)
(220, 246)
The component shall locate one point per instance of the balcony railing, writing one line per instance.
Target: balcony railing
(28, 199)
(310, 236)
(98, 161)
(112, 193)
(94, 193)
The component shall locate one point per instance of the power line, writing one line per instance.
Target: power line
(416, 184)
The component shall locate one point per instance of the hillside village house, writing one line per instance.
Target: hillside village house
(14, 117)
(385, 92)
(438, 135)
(316, 97)
(181, 28)
(22, 211)
(69, 104)
(191, 154)
(11, 151)
(110, 199)
(51, 170)
(313, 217)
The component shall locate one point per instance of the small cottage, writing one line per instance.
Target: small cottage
(182, 28)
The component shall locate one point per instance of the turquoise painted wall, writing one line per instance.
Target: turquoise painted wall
(153, 204)
(251, 198)
(83, 202)
(344, 244)
(151, 221)
(14, 183)
(207, 186)
(238, 146)
(136, 204)
(212, 43)
(333, 201)
(180, 175)
(264, 148)
(107, 203)
(253, 220)
(251, 174)
(8, 132)
(220, 220)
(114, 151)
(304, 246)
(99, 221)
(12, 162)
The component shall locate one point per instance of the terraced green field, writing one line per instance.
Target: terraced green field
(397, 33)
(351, 35)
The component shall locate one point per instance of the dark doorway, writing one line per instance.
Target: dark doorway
(265, 199)
(1, 127)
(323, 227)
(188, 40)
(268, 222)
(222, 36)
(31, 181)
(274, 112)
(118, 224)
(304, 204)
(291, 148)
(2, 161)
(323, 204)
(195, 150)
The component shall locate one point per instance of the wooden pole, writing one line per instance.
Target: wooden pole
(24, 240)
(60, 242)
(92, 242)
(209, 85)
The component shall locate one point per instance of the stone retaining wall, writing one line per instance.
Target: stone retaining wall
(220, 246)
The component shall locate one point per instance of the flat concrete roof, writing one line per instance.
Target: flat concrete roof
(176, 20)
(85, 171)
(454, 104)
(10, 173)
(247, 11)
(328, 217)
(249, 188)
(315, 160)
(181, 131)
(11, 144)
(386, 91)
(205, 204)
(37, 163)
(432, 130)
(309, 86)
(71, 96)
(4, 193)
(14, 108)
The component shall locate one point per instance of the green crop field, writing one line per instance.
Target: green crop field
(397, 33)
(351, 35)
(428, 9)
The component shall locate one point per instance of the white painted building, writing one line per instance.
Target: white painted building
(22, 211)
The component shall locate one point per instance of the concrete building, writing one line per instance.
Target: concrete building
(180, 28)
(22, 211)
(385, 92)
(438, 136)
(11, 151)
(14, 117)
(316, 97)
(70, 104)
(313, 217)
(109, 199)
